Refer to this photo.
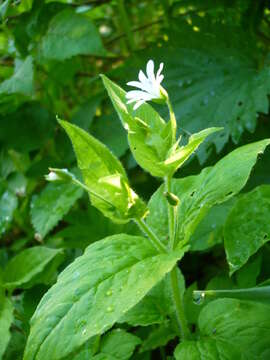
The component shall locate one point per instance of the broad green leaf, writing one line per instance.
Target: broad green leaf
(199, 193)
(104, 175)
(49, 207)
(205, 349)
(8, 203)
(6, 318)
(22, 80)
(155, 307)
(118, 344)
(148, 134)
(93, 293)
(247, 227)
(27, 267)
(210, 231)
(159, 337)
(243, 325)
(247, 276)
(71, 34)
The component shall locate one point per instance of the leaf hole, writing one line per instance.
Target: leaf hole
(193, 193)
(240, 103)
(265, 236)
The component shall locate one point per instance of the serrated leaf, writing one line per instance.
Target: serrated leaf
(199, 193)
(71, 34)
(247, 227)
(92, 293)
(27, 266)
(6, 318)
(49, 207)
(105, 176)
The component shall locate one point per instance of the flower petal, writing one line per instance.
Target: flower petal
(150, 70)
(138, 104)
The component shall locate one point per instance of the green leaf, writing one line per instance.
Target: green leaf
(118, 344)
(49, 207)
(93, 293)
(104, 175)
(247, 227)
(148, 134)
(71, 34)
(8, 203)
(230, 329)
(154, 307)
(27, 267)
(206, 349)
(22, 80)
(159, 337)
(6, 318)
(197, 194)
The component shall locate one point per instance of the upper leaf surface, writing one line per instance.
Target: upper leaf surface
(104, 175)
(6, 318)
(199, 193)
(51, 205)
(247, 227)
(92, 293)
(71, 34)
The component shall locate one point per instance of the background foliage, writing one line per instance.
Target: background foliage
(216, 56)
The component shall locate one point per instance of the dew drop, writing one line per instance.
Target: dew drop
(198, 297)
(180, 83)
(84, 331)
(109, 309)
(109, 293)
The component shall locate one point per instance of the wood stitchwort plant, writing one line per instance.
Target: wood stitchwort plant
(104, 285)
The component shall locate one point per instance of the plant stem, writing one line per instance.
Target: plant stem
(171, 216)
(180, 314)
(151, 235)
(126, 24)
(172, 120)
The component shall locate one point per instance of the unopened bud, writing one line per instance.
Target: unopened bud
(171, 198)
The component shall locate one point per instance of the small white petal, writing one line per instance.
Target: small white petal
(142, 77)
(138, 104)
(160, 69)
(150, 70)
(160, 78)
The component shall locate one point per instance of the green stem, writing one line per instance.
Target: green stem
(172, 120)
(171, 215)
(180, 314)
(151, 235)
(176, 294)
(126, 24)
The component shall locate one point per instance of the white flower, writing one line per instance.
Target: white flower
(149, 85)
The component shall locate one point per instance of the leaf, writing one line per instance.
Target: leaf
(93, 293)
(148, 134)
(199, 193)
(247, 227)
(104, 175)
(27, 267)
(243, 325)
(49, 207)
(206, 349)
(230, 329)
(22, 80)
(210, 230)
(71, 34)
(159, 337)
(154, 307)
(8, 204)
(118, 344)
(6, 318)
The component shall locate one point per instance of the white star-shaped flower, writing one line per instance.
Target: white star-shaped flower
(150, 88)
